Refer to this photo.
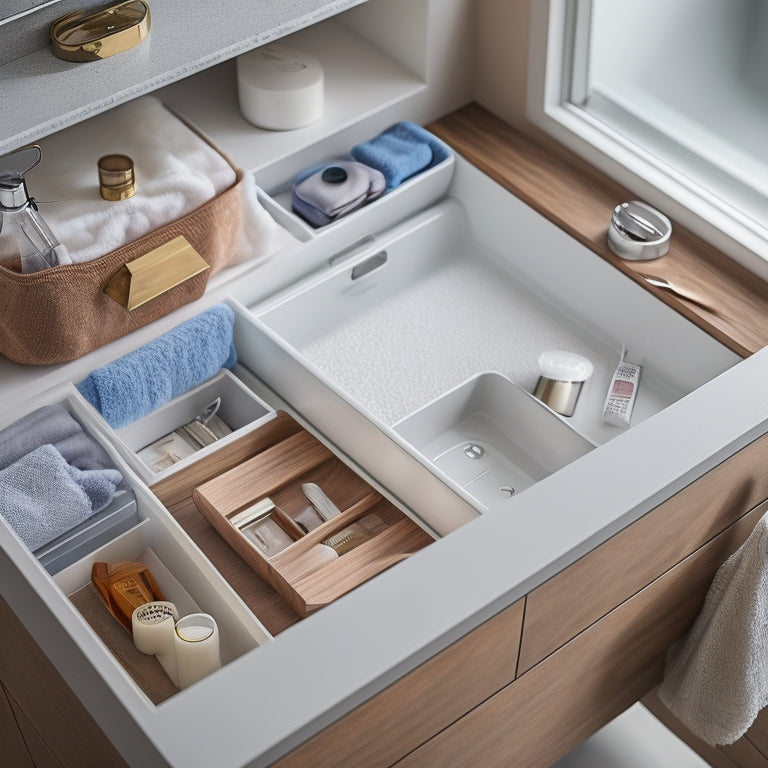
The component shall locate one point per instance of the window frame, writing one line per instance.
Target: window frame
(551, 54)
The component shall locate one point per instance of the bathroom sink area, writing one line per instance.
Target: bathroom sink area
(432, 331)
(492, 438)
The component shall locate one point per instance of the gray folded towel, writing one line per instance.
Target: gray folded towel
(42, 496)
(52, 425)
(716, 676)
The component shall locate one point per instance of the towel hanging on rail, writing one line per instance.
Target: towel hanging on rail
(716, 676)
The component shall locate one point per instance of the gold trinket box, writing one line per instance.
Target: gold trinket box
(82, 36)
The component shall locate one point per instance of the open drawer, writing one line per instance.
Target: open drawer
(397, 327)
(180, 571)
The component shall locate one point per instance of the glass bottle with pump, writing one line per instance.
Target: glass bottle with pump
(26, 242)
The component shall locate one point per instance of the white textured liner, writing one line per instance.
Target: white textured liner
(376, 448)
(241, 631)
(241, 409)
(602, 308)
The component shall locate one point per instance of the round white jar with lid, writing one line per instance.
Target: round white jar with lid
(280, 88)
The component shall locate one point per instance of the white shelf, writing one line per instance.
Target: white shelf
(42, 94)
(360, 80)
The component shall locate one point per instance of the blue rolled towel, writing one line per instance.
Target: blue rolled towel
(401, 151)
(51, 424)
(134, 385)
(42, 496)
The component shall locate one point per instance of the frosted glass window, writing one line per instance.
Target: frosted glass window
(688, 81)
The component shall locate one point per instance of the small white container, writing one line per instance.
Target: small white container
(280, 88)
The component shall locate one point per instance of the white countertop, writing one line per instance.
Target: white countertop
(186, 37)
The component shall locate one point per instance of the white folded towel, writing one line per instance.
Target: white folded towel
(176, 172)
(716, 676)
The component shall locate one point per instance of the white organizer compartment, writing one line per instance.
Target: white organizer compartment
(416, 193)
(492, 438)
(456, 296)
(241, 409)
(182, 571)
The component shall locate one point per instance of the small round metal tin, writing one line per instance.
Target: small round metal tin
(638, 232)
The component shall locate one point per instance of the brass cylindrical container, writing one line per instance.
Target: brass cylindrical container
(116, 177)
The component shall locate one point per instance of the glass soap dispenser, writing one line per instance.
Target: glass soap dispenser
(26, 242)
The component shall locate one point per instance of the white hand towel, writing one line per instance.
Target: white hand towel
(176, 171)
(716, 676)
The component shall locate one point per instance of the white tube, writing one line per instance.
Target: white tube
(153, 633)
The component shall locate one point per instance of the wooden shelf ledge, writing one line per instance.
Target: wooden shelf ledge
(579, 199)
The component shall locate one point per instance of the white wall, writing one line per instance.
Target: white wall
(502, 57)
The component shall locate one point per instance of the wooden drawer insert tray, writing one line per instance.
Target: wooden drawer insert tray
(266, 489)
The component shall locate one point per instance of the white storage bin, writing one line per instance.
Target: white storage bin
(413, 195)
(241, 409)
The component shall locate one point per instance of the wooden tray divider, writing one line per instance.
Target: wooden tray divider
(276, 471)
(323, 531)
(179, 486)
(263, 474)
(399, 541)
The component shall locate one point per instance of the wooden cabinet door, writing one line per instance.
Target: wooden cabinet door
(58, 717)
(422, 703)
(561, 701)
(581, 594)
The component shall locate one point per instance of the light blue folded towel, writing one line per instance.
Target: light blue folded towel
(401, 151)
(51, 424)
(134, 385)
(42, 496)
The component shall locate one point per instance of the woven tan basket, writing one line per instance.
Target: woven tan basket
(62, 313)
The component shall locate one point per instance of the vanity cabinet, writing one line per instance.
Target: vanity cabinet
(517, 631)
(591, 679)
(15, 749)
(52, 725)
(594, 637)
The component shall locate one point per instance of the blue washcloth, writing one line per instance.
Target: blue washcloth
(42, 497)
(51, 424)
(401, 151)
(134, 385)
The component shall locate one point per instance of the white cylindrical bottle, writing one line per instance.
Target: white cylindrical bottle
(197, 648)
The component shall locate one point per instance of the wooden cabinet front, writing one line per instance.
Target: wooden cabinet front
(576, 690)
(421, 704)
(584, 592)
(57, 727)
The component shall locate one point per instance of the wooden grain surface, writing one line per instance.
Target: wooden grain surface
(430, 698)
(553, 707)
(585, 591)
(758, 732)
(35, 685)
(13, 749)
(41, 754)
(579, 199)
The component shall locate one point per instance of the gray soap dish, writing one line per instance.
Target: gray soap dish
(492, 438)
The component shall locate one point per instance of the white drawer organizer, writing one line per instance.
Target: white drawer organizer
(461, 290)
(474, 284)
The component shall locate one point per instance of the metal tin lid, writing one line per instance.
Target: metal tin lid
(638, 232)
(116, 177)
